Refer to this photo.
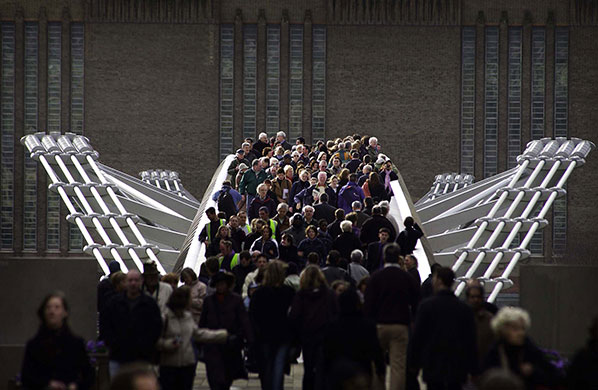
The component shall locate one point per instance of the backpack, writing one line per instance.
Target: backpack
(226, 203)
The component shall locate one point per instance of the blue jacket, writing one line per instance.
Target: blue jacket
(348, 194)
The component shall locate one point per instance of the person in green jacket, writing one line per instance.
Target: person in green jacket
(250, 180)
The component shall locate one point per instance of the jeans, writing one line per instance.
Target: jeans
(272, 361)
(313, 365)
(113, 368)
(175, 378)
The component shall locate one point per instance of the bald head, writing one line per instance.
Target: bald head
(134, 282)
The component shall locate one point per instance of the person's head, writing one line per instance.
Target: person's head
(303, 175)
(212, 265)
(211, 213)
(135, 376)
(384, 207)
(392, 253)
(264, 213)
(336, 162)
(134, 283)
(374, 179)
(311, 232)
(308, 212)
(369, 203)
(226, 247)
(313, 258)
(223, 231)
(339, 214)
(188, 276)
(511, 325)
(151, 276)
(53, 311)
(119, 281)
(373, 142)
(233, 221)
(333, 257)
(353, 178)
(312, 278)
(367, 168)
(261, 261)
(297, 220)
(322, 176)
(339, 286)
(376, 210)
(180, 299)
(289, 172)
(352, 217)
(242, 215)
(443, 279)
(408, 222)
(262, 190)
(411, 262)
(263, 137)
(346, 226)
(246, 147)
(383, 235)
(323, 225)
(287, 239)
(171, 279)
(266, 152)
(475, 295)
(500, 379)
(245, 258)
(322, 165)
(356, 206)
(223, 282)
(282, 209)
(275, 274)
(114, 266)
(363, 283)
(333, 182)
(388, 165)
(280, 174)
(356, 256)
(281, 136)
(348, 302)
(256, 165)
(266, 233)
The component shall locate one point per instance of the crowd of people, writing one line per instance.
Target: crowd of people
(303, 263)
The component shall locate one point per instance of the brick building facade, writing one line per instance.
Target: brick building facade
(446, 85)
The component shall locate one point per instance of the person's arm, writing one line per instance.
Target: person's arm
(204, 233)
(366, 188)
(243, 183)
(209, 336)
(31, 369)
(418, 231)
(86, 371)
(216, 195)
(237, 198)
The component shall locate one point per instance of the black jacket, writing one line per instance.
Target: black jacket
(56, 355)
(444, 340)
(346, 243)
(324, 211)
(268, 314)
(375, 256)
(131, 334)
(312, 312)
(407, 239)
(371, 227)
(334, 229)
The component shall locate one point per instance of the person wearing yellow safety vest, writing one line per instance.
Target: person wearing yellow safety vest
(264, 214)
(242, 215)
(228, 259)
(209, 231)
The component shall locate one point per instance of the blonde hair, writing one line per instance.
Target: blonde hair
(510, 314)
(275, 274)
(312, 278)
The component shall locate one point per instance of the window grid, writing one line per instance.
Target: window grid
(491, 103)
(468, 36)
(561, 99)
(273, 79)
(538, 89)
(30, 121)
(7, 123)
(227, 48)
(296, 81)
(318, 107)
(249, 80)
(54, 96)
(77, 109)
(514, 96)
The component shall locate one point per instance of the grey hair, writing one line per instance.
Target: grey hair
(356, 205)
(346, 226)
(282, 206)
(356, 255)
(510, 314)
(308, 207)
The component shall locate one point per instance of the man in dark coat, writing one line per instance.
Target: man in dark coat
(371, 227)
(131, 324)
(347, 241)
(375, 259)
(389, 297)
(444, 337)
(407, 239)
(353, 164)
(225, 310)
(323, 210)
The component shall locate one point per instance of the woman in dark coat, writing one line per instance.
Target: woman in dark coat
(55, 358)
(314, 309)
(225, 310)
(353, 339)
(311, 244)
(268, 313)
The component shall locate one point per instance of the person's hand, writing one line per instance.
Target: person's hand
(526, 369)
(171, 344)
(72, 386)
(56, 385)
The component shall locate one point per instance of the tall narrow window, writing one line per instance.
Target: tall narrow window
(77, 125)
(296, 82)
(468, 36)
(273, 79)
(561, 118)
(318, 99)
(7, 124)
(31, 117)
(491, 103)
(227, 49)
(54, 96)
(514, 96)
(249, 80)
(538, 90)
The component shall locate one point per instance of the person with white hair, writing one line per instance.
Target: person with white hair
(355, 268)
(281, 137)
(365, 174)
(373, 148)
(357, 207)
(262, 142)
(347, 241)
(516, 352)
